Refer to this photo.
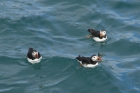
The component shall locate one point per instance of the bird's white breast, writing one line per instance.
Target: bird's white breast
(34, 61)
(88, 65)
(97, 39)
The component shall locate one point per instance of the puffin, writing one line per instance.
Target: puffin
(88, 62)
(33, 56)
(98, 36)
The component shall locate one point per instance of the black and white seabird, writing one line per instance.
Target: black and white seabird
(88, 61)
(98, 36)
(33, 56)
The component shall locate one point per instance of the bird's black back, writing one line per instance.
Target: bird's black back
(94, 33)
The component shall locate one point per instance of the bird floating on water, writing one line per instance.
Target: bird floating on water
(98, 36)
(89, 62)
(33, 56)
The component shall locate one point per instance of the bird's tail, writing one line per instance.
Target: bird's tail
(78, 58)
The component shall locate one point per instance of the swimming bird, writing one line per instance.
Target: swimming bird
(33, 56)
(98, 36)
(88, 61)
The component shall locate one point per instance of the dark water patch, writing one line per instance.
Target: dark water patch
(129, 6)
(52, 77)
(32, 78)
(119, 69)
(88, 79)
(123, 48)
(134, 77)
(114, 75)
(20, 9)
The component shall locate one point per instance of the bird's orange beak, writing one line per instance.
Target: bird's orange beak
(101, 35)
(99, 58)
(36, 55)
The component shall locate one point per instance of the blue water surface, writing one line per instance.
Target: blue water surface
(58, 30)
